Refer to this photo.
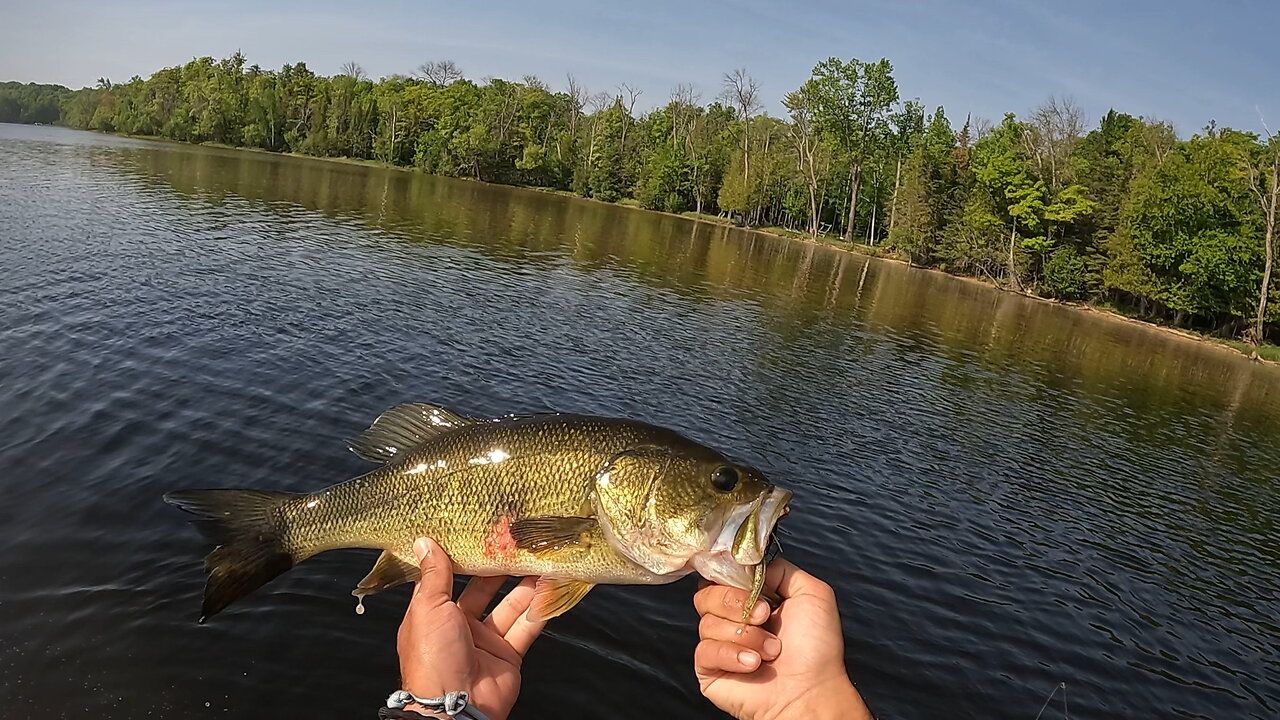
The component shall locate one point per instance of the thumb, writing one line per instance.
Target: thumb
(436, 583)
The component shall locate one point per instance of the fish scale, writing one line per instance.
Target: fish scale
(575, 500)
(454, 492)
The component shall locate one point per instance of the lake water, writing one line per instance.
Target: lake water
(1006, 494)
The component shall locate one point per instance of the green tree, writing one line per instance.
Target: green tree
(1263, 171)
(802, 105)
(1192, 230)
(32, 103)
(1034, 210)
(908, 132)
(708, 146)
(605, 180)
(914, 231)
(853, 100)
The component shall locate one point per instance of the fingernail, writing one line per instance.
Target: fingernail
(772, 646)
(760, 612)
(748, 658)
(421, 549)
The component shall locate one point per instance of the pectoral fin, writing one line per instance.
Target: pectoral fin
(389, 571)
(553, 597)
(550, 533)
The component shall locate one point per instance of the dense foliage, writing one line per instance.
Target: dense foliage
(1128, 213)
(31, 103)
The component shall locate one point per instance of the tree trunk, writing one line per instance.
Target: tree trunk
(871, 234)
(813, 210)
(591, 150)
(855, 178)
(1269, 249)
(1013, 266)
(875, 211)
(893, 207)
(822, 199)
(392, 151)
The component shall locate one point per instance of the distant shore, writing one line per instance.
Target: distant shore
(1266, 353)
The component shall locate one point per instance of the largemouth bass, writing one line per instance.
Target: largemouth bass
(575, 500)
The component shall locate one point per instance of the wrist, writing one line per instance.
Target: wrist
(441, 704)
(834, 700)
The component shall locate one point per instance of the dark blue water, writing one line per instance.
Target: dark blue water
(1007, 495)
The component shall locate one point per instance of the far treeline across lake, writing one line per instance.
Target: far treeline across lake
(1127, 215)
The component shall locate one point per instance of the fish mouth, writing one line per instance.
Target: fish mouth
(752, 539)
(746, 530)
(774, 507)
(742, 540)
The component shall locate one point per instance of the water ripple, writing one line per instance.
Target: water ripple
(1005, 494)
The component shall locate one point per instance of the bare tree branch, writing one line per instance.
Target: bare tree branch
(632, 94)
(597, 102)
(743, 92)
(684, 94)
(438, 72)
(352, 69)
(1055, 129)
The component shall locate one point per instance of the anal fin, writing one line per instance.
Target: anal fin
(389, 571)
(552, 597)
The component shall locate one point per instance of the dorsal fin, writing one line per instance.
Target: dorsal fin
(403, 428)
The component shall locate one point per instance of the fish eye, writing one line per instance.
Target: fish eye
(724, 479)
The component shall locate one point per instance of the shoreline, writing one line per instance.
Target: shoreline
(1236, 347)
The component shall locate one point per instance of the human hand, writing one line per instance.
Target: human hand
(445, 645)
(785, 664)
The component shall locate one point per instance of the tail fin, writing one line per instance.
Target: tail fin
(246, 526)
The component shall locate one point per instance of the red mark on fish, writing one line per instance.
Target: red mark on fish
(498, 543)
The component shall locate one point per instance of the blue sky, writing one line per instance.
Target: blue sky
(1180, 61)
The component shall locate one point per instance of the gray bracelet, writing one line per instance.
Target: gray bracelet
(452, 704)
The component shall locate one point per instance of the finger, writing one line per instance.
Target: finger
(749, 637)
(479, 591)
(488, 641)
(511, 607)
(727, 602)
(713, 656)
(436, 583)
(523, 632)
(790, 581)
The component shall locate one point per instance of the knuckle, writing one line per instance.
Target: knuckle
(709, 626)
(826, 593)
(728, 655)
(705, 625)
(703, 654)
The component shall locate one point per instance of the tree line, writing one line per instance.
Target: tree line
(31, 103)
(1126, 213)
